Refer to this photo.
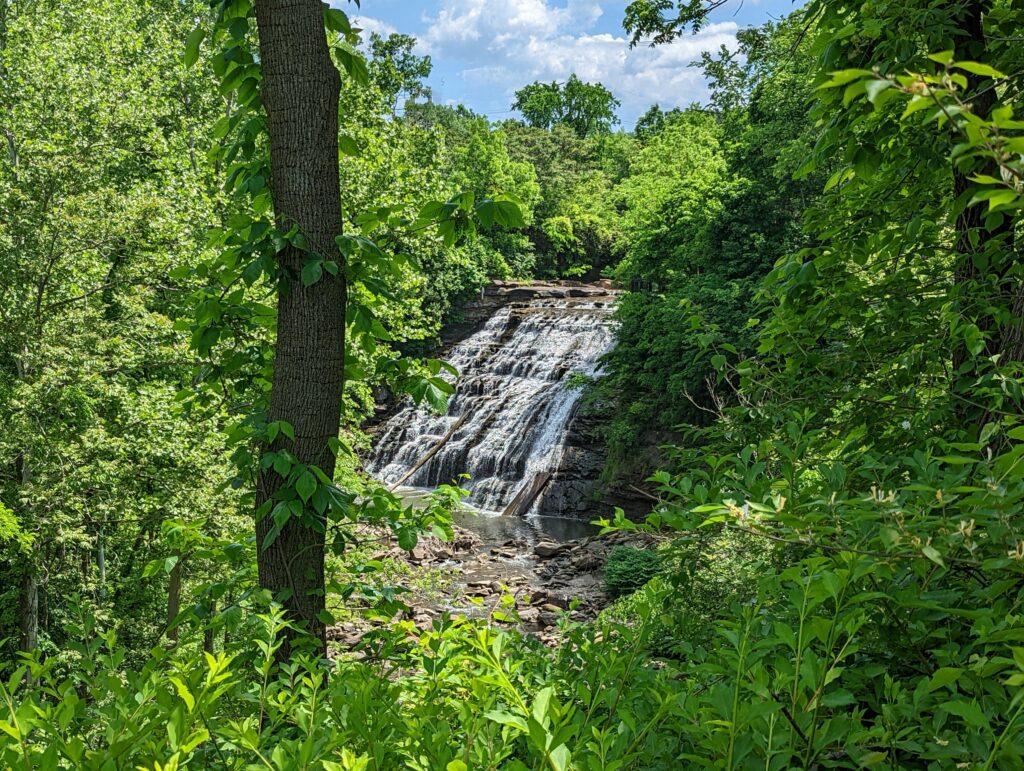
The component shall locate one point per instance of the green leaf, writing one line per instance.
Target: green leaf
(1003, 198)
(838, 698)
(353, 63)
(873, 759)
(485, 214)
(311, 272)
(917, 103)
(306, 486)
(197, 738)
(560, 758)
(407, 538)
(195, 38)
(875, 87)
(10, 730)
(282, 463)
(239, 28)
(977, 68)
(326, 617)
(540, 703)
(505, 718)
(944, 676)
(969, 711)
(933, 554)
(337, 20)
(842, 77)
(347, 145)
(183, 692)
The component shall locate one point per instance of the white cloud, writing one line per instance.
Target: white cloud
(504, 45)
(369, 24)
(460, 26)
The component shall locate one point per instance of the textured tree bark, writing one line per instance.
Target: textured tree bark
(101, 566)
(300, 91)
(174, 600)
(28, 612)
(976, 243)
(28, 596)
(208, 632)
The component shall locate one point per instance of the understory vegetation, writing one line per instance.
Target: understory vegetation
(629, 569)
(207, 278)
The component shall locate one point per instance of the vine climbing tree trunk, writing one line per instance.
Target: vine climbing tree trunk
(300, 91)
(986, 275)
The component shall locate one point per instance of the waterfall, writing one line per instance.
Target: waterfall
(508, 417)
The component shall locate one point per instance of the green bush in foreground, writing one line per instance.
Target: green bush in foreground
(468, 697)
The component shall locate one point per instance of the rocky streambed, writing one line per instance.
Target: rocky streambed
(546, 578)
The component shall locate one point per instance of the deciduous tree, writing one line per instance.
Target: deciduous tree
(300, 88)
(589, 108)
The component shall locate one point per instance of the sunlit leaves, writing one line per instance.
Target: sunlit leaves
(352, 62)
(195, 38)
(588, 108)
(503, 211)
(337, 21)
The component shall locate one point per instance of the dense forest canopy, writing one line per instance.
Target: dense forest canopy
(231, 231)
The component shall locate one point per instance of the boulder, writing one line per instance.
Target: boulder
(529, 615)
(548, 549)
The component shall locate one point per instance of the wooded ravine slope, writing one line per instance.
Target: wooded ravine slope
(228, 229)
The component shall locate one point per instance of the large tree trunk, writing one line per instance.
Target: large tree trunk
(300, 91)
(977, 244)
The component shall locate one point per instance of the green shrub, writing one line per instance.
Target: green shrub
(659, 609)
(700, 580)
(628, 569)
(469, 697)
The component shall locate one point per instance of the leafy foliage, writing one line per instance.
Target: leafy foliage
(102, 200)
(628, 569)
(586, 108)
(470, 698)
(709, 207)
(870, 456)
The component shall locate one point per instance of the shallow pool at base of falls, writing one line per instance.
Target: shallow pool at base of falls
(495, 529)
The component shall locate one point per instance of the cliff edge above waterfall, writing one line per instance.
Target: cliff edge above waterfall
(496, 295)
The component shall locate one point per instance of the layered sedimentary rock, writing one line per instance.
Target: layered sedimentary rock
(510, 424)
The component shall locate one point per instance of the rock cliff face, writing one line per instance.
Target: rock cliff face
(474, 313)
(576, 488)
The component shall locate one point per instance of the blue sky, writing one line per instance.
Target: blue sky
(483, 50)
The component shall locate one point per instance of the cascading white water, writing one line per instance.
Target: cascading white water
(511, 407)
